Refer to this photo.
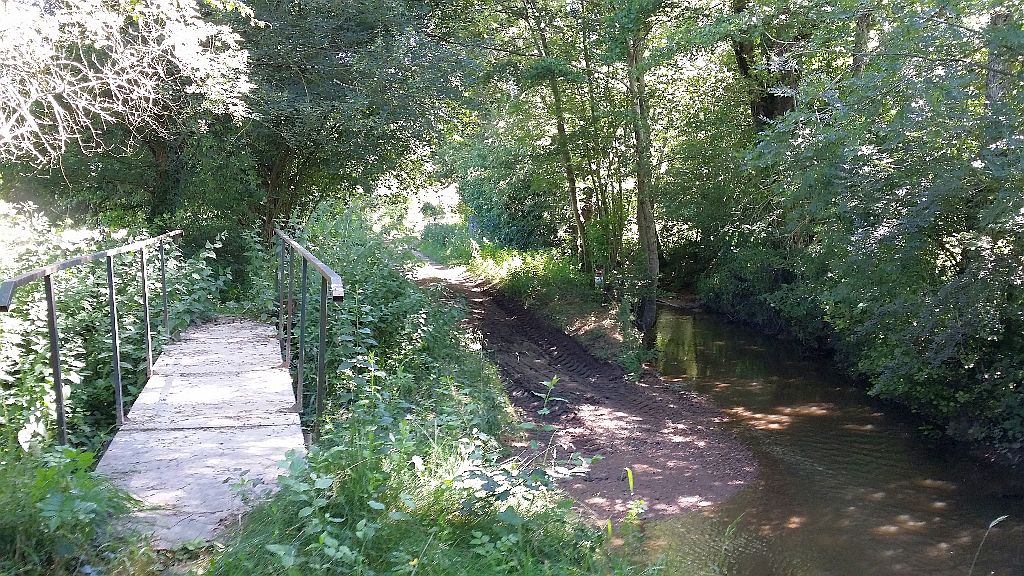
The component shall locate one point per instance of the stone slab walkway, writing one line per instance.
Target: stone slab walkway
(218, 408)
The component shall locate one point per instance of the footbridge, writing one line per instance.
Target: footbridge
(221, 406)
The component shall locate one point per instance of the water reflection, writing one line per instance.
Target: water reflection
(844, 488)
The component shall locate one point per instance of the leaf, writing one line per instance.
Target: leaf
(375, 505)
(510, 516)
(285, 553)
(407, 500)
(998, 520)
(323, 482)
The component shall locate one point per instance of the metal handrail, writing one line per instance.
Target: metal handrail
(330, 283)
(8, 288)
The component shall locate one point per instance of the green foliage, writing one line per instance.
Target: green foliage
(447, 242)
(409, 476)
(887, 232)
(194, 289)
(510, 190)
(538, 278)
(817, 174)
(57, 515)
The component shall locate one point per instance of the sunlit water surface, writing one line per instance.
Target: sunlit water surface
(844, 488)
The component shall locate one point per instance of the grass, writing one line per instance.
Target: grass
(57, 517)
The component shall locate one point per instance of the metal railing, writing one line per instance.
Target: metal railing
(46, 273)
(330, 286)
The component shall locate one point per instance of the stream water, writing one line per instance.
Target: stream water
(844, 488)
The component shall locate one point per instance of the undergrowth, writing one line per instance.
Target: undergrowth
(26, 398)
(58, 517)
(410, 475)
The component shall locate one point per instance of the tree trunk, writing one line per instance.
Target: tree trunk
(646, 310)
(1000, 58)
(582, 248)
(277, 178)
(861, 35)
(168, 162)
(765, 104)
(597, 150)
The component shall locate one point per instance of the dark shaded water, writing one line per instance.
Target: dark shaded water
(844, 489)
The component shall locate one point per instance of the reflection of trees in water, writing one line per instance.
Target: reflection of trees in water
(844, 489)
(677, 346)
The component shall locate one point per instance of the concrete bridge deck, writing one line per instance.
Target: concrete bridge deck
(219, 407)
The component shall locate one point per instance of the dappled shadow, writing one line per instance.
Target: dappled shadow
(680, 459)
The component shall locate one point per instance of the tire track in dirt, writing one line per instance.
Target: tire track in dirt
(681, 458)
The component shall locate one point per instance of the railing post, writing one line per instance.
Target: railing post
(321, 359)
(288, 324)
(145, 313)
(163, 286)
(116, 339)
(58, 384)
(300, 367)
(279, 284)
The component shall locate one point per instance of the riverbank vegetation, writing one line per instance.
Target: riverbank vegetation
(549, 282)
(811, 170)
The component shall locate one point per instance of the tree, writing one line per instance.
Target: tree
(346, 94)
(78, 67)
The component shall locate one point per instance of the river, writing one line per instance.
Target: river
(844, 488)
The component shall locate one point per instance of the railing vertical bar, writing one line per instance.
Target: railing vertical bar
(290, 309)
(321, 359)
(279, 285)
(145, 312)
(116, 341)
(163, 287)
(300, 341)
(58, 384)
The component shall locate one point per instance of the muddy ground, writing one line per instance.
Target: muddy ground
(680, 456)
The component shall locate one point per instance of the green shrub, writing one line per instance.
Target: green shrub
(56, 517)
(447, 242)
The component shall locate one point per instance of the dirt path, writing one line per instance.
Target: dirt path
(680, 457)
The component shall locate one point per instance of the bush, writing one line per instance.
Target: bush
(57, 517)
(447, 242)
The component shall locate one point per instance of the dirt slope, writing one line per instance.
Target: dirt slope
(680, 456)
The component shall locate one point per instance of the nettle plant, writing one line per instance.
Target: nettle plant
(26, 384)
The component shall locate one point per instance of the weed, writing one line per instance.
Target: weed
(58, 516)
(549, 387)
(982, 543)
